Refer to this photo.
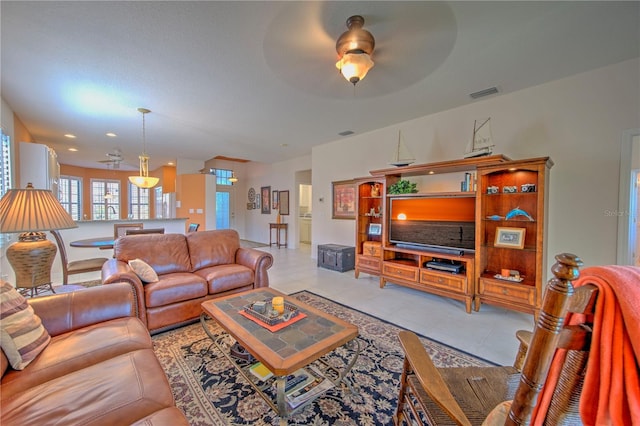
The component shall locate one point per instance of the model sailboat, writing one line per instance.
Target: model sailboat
(401, 156)
(481, 143)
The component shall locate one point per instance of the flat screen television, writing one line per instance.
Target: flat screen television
(438, 223)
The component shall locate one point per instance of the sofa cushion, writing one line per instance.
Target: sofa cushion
(226, 277)
(165, 253)
(22, 335)
(143, 271)
(172, 288)
(117, 391)
(171, 416)
(77, 349)
(211, 248)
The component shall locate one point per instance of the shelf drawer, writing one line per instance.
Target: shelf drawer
(368, 262)
(514, 292)
(449, 283)
(400, 271)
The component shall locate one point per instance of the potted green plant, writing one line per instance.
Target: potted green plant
(403, 186)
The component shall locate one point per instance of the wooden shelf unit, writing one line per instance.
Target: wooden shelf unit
(529, 261)
(370, 209)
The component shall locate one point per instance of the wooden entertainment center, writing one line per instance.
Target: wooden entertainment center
(509, 217)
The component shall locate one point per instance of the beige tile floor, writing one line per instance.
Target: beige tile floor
(489, 333)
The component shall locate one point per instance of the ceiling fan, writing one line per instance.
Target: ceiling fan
(113, 159)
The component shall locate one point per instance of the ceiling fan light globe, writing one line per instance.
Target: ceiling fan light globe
(354, 66)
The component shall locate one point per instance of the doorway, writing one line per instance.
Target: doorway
(225, 213)
(304, 212)
(629, 200)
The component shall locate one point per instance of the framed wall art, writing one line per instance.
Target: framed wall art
(283, 203)
(510, 237)
(344, 200)
(265, 196)
(274, 199)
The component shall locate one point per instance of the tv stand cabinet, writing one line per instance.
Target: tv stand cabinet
(407, 267)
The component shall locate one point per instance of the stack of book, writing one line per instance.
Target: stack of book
(301, 386)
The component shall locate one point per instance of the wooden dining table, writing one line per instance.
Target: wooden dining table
(102, 243)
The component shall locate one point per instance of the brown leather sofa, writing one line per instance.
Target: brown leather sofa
(98, 369)
(191, 268)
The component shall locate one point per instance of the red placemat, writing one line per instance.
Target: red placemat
(276, 327)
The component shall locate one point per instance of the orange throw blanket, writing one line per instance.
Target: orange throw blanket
(611, 391)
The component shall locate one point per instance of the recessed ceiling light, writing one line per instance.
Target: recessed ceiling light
(70, 136)
(73, 149)
(170, 163)
(346, 133)
(111, 135)
(431, 172)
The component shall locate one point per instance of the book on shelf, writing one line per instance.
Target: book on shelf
(260, 371)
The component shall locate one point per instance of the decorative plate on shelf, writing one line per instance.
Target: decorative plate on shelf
(252, 195)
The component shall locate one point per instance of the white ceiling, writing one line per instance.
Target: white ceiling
(256, 80)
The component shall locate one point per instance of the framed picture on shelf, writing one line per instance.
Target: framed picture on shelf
(375, 229)
(274, 199)
(257, 201)
(283, 202)
(265, 196)
(344, 200)
(510, 237)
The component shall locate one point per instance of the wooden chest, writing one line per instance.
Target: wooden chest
(372, 248)
(336, 257)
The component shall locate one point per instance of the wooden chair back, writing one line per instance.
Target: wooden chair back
(144, 231)
(550, 334)
(444, 395)
(120, 229)
(63, 253)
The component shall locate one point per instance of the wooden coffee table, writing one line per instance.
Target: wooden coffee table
(285, 351)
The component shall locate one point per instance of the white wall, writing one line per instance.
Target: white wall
(279, 176)
(577, 121)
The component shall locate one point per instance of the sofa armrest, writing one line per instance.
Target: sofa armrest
(259, 261)
(64, 312)
(116, 271)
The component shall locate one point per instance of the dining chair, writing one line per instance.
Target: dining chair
(467, 395)
(144, 231)
(193, 227)
(75, 266)
(120, 229)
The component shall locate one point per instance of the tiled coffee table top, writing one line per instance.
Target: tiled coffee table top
(289, 348)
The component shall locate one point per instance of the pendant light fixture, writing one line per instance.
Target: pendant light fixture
(144, 180)
(233, 179)
(354, 48)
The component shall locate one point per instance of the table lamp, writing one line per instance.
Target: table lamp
(31, 211)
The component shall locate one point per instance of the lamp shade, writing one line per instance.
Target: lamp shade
(32, 210)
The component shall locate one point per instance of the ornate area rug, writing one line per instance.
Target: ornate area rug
(209, 391)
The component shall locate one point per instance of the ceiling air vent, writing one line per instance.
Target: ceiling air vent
(346, 133)
(485, 92)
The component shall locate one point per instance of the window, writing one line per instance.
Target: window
(222, 176)
(138, 202)
(5, 164)
(105, 199)
(69, 195)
